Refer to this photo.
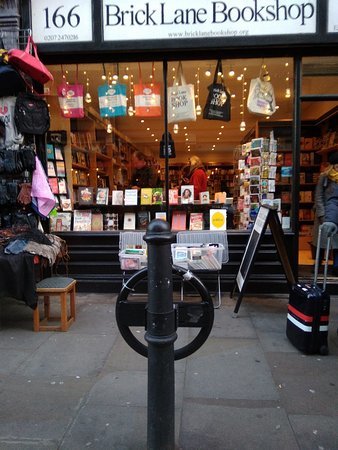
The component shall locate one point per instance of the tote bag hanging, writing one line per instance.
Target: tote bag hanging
(261, 98)
(112, 100)
(147, 97)
(29, 62)
(181, 99)
(218, 105)
(71, 98)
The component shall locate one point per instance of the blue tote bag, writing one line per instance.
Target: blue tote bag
(112, 100)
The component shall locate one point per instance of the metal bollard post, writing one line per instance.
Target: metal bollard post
(160, 335)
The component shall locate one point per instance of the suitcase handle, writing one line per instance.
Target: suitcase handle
(330, 229)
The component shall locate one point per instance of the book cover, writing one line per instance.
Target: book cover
(60, 169)
(97, 222)
(102, 196)
(61, 222)
(85, 196)
(129, 221)
(111, 222)
(220, 197)
(218, 219)
(179, 220)
(53, 183)
(187, 193)
(130, 196)
(51, 169)
(143, 219)
(58, 154)
(196, 221)
(204, 197)
(173, 196)
(66, 203)
(82, 220)
(146, 196)
(162, 215)
(50, 151)
(62, 186)
(117, 198)
(157, 196)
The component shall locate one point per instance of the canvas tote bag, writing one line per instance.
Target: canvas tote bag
(147, 97)
(261, 98)
(71, 98)
(181, 99)
(112, 100)
(218, 105)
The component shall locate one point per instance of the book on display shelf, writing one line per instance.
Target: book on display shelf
(85, 196)
(102, 196)
(146, 196)
(130, 196)
(82, 220)
(129, 221)
(179, 220)
(117, 197)
(196, 222)
(218, 219)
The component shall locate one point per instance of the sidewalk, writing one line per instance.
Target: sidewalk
(246, 388)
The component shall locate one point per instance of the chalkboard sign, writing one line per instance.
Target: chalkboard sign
(266, 216)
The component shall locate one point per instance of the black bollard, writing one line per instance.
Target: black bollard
(160, 335)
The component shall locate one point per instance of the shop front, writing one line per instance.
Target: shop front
(249, 89)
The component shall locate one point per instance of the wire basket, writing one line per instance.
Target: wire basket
(207, 257)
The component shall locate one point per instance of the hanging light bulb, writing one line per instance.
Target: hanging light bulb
(198, 107)
(242, 126)
(109, 128)
(287, 93)
(130, 111)
(88, 97)
(207, 73)
(176, 128)
(231, 72)
(104, 76)
(198, 110)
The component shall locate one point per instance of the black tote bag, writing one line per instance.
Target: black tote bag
(218, 105)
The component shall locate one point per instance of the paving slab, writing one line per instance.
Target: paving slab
(315, 432)
(230, 368)
(219, 427)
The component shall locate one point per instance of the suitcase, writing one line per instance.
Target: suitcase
(309, 310)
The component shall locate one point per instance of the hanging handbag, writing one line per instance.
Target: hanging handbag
(29, 62)
(181, 99)
(261, 98)
(218, 105)
(112, 100)
(147, 97)
(71, 98)
(170, 145)
(31, 114)
(11, 82)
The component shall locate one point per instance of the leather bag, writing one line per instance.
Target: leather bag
(30, 63)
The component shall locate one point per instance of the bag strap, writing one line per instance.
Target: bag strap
(179, 74)
(34, 51)
(218, 70)
(139, 73)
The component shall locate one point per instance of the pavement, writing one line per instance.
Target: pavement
(246, 388)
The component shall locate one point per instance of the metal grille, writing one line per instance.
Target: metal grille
(15, 38)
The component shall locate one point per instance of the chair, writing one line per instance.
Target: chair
(207, 237)
(55, 287)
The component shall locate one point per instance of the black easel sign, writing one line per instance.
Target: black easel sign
(266, 216)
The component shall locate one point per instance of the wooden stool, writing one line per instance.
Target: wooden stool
(55, 286)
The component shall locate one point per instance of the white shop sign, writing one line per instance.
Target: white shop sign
(332, 16)
(170, 19)
(58, 22)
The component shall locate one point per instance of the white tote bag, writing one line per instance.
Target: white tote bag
(261, 98)
(181, 99)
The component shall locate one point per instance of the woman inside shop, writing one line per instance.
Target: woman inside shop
(197, 176)
(326, 205)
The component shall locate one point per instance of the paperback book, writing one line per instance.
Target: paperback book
(102, 196)
(117, 198)
(157, 196)
(187, 193)
(179, 221)
(130, 196)
(146, 196)
(82, 220)
(129, 221)
(218, 219)
(85, 195)
(196, 221)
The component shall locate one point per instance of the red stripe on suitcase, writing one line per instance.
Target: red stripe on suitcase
(304, 317)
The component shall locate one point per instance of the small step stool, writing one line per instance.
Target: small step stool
(52, 287)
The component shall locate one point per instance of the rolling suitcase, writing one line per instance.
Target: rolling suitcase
(309, 309)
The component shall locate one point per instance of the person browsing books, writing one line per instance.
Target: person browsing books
(326, 205)
(144, 174)
(197, 176)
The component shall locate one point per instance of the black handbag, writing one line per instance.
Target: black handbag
(11, 82)
(218, 105)
(170, 144)
(31, 114)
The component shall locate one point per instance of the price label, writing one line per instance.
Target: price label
(54, 22)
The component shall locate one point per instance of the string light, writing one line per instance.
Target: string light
(198, 107)
(287, 79)
(176, 128)
(88, 97)
(242, 126)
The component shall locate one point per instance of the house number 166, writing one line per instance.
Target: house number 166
(59, 20)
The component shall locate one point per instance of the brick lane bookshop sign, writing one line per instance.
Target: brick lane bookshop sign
(137, 20)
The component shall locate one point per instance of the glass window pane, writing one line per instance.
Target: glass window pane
(320, 75)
